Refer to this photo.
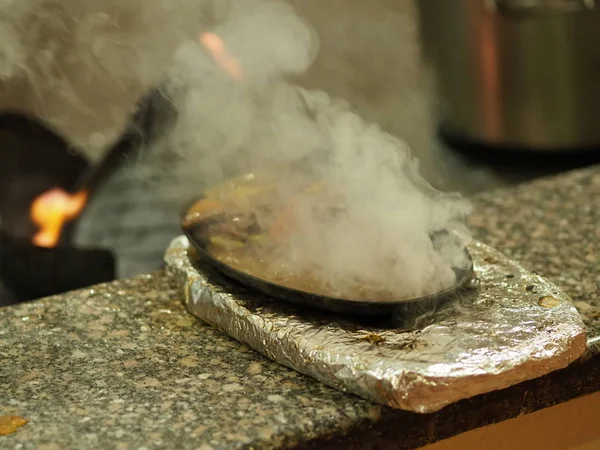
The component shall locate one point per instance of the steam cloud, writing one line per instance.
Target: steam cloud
(268, 123)
(82, 65)
(225, 127)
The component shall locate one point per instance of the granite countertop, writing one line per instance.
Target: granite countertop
(552, 226)
(123, 366)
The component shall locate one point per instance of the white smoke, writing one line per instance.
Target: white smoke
(227, 127)
(83, 65)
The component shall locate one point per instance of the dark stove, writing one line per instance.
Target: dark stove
(119, 219)
(33, 160)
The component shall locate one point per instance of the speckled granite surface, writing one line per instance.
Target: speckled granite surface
(123, 365)
(552, 226)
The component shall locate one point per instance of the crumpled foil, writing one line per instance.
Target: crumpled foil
(508, 326)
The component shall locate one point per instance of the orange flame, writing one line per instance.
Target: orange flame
(216, 47)
(51, 211)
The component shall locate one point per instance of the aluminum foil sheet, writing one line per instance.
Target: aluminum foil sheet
(508, 326)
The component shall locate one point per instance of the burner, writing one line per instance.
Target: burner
(35, 160)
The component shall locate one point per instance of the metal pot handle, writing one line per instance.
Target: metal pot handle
(526, 7)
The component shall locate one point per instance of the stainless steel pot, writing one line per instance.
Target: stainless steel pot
(522, 73)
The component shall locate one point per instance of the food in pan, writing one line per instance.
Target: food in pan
(248, 224)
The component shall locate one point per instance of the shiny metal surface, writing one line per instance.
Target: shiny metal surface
(511, 326)
(518, 73)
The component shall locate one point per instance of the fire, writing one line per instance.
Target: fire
(216, 47)
(51, 211)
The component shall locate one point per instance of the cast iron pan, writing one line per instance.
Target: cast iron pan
(397, 309)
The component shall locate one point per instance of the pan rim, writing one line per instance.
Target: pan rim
(267, 287)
